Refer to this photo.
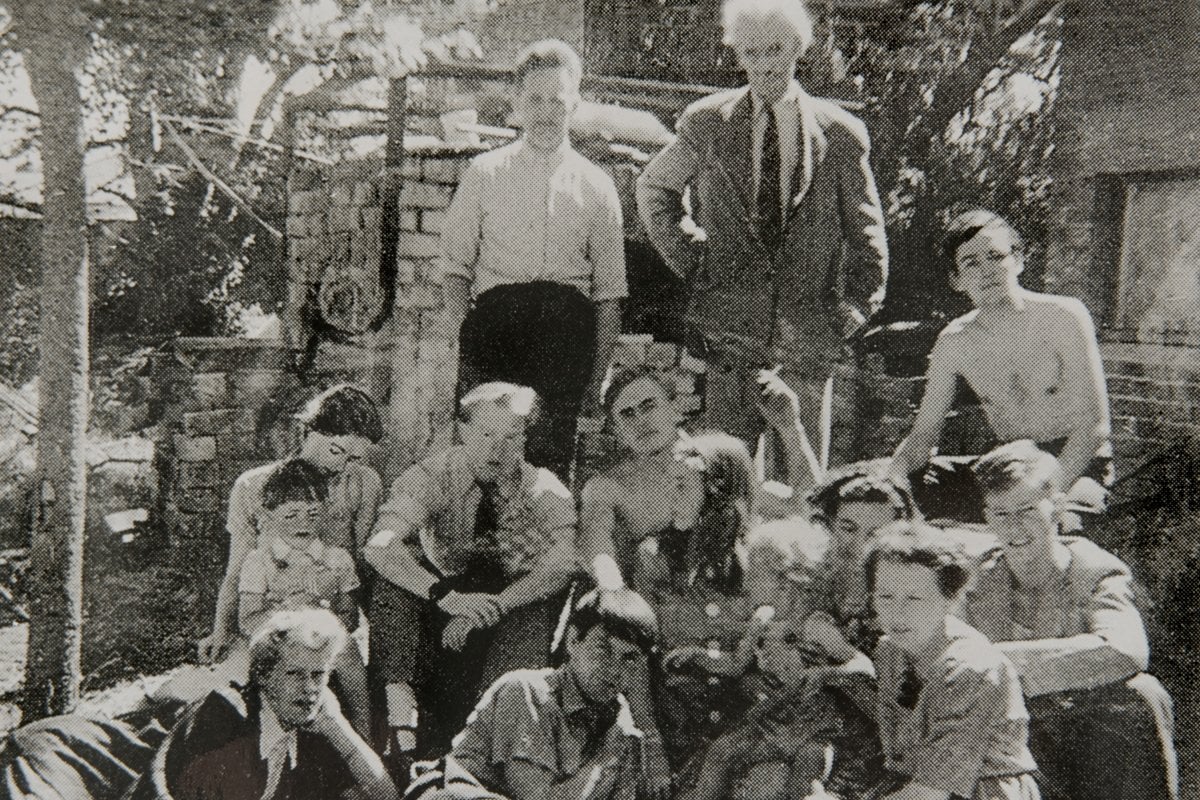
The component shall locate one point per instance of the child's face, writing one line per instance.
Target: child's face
(295, 522)
(854, 523)
(768, 576)
(910, 605)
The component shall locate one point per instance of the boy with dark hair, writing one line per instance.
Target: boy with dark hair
(339, 424)
(1032, 360)
(565, 733)
(951, 718)
(1062, 609)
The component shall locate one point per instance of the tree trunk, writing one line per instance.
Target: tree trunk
(53, 37)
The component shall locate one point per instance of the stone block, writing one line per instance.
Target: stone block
(418, 245)
(442, 170)
(209, 390)
(410, 220)
(685, 384)
(692, 404)
(197, 474)
(304, 203)
(251, 388)
(232, 446)
(195, 448)
(366, 193)
(303, 179)
(432, 221)
(406, 271)
(198, 501)
(342, 219)
(296, 226)
(410, 169)
(370, 218)
(419, 295)
(208, 423)
(425, 195)
(342, 194)
(629, 353)
(690, 363)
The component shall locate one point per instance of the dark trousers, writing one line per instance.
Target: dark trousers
(541, 335)
(1114, 742)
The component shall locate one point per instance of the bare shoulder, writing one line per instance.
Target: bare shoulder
(1059, 308)
(602, 489)
(956, 338)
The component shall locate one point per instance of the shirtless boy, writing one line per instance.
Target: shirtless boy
(1031, 359)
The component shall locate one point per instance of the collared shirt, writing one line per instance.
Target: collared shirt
(968, 721)
(520, 216)
(537, 717)
(277, 747)
(788, 127)
(1078, 629)
(438, 499)
(295, 579)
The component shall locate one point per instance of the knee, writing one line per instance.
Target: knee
(766, 781)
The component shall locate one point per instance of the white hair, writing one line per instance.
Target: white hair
(792, 11)
(315, 628)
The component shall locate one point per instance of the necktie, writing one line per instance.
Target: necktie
(487, 517)
(910, 688)
(770, 214)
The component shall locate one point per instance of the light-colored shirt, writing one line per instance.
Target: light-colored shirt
(297, 579)
(787, 126)
(968, 721)
(520, 216)
(438, 499)
(276, 746)
(538, 717)
(1080, 629)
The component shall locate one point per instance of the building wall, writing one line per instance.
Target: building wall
(1126, 115)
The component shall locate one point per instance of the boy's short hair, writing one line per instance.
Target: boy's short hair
(621, 378)
(295, 480)
(548, 54)
(966, 226)
(520, 400)
(343, 410)
(794, 11)
(1008, 465)
(314, 628)
(907, 542)
(622, 613)
(829, 499)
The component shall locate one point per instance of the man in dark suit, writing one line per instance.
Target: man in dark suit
(787, 254)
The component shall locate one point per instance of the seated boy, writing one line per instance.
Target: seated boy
(1031, 359)
(559, 734)
(293, 568)
(803, 729)
(1062, 609)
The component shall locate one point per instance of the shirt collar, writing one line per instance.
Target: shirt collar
(271, 733)
(792, 94)
(281, 550)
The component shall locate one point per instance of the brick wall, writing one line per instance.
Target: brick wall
(1127, 110)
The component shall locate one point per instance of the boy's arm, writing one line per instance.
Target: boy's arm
(242, 532)
(597, 521)
(941, 380)
(252, 612)
(1087, 391)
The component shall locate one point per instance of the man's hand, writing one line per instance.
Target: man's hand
(850, 319)
(454, 635)
(778, 402)
(481, 609)
(211, 648)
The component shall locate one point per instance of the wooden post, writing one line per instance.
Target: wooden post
(53, 37)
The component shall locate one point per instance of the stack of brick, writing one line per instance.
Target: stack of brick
(224, 408)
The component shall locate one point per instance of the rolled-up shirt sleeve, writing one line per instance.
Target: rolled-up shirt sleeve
(606, 245)
(1112, 649)
(462, 229)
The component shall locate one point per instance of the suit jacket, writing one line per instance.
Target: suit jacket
(1088, 632)
(834, 247)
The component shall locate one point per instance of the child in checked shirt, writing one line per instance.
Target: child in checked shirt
(293, 568)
